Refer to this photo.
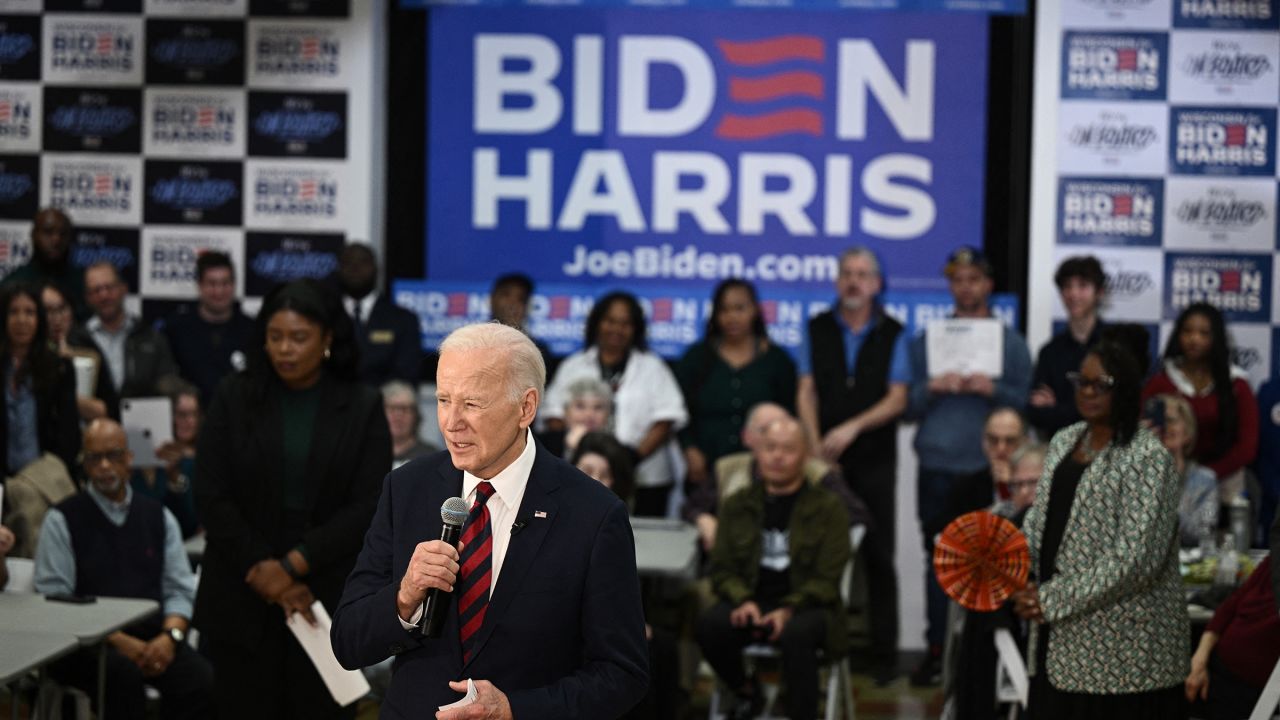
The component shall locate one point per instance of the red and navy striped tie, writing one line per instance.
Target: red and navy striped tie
(476, 570)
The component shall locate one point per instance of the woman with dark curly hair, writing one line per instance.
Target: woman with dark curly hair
(1197, 366)
(648, 408)
(290, 463)
(1109, 634)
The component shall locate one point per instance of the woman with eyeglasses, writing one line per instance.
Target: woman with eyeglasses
(1197, 366)
(72, 341)
(1109, 634)
(290, 463)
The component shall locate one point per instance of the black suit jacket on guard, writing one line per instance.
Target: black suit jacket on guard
(564, 633)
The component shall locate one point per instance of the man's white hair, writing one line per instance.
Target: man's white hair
(525, 367)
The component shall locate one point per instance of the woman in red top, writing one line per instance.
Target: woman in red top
(1197, 365)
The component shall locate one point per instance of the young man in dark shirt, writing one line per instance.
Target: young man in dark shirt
(1082, 287)
(210, 341)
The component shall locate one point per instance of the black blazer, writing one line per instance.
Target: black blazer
(57, 419)
(390, 344)
(563, 636)
(240, 498)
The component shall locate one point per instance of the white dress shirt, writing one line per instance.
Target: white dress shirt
(503, 504)
(365, 303)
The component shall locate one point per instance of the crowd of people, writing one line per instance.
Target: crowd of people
(285, 425)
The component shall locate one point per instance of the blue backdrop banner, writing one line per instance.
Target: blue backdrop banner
(993, 7)
(645, 148)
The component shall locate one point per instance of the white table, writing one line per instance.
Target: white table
(88, 624)
(25, 652)
(665, 548)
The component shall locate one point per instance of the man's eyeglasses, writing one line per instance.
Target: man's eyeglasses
(94, 458)
(1018, 485)
(1102, 384)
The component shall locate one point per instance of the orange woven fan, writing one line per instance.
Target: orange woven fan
(980, 560)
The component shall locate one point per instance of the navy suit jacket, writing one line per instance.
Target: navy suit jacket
(390, 344)
(564, 633)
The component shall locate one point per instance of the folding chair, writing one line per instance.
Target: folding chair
(839, 686)
(1270, 698)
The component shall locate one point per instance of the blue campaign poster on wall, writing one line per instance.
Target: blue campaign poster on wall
(642, 148)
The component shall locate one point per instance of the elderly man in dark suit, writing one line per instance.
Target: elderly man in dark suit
(546, 615)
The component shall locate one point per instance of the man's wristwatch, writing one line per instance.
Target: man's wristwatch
(177, 635)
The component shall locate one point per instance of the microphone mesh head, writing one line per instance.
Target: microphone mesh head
(454, 511)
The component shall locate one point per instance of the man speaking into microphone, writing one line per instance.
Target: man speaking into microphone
(545, 614)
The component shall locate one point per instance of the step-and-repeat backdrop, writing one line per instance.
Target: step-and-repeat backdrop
(168, 127)
(1155, 150)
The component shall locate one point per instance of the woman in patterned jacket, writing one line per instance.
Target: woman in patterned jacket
(1109, 636)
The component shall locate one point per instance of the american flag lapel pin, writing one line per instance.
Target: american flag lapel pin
(540, 513)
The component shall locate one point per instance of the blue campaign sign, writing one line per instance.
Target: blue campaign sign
(675, 316)
(992, 7)
(664, 147)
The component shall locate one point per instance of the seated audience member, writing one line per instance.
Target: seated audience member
(648, 408)
(588, 407)
(509, 304)
(602, 457)
(400, 401)
(210, 340)
(1082, 287)
(1239, 648)
(72, 341)
(1171, 418)
(735, 366)
(781, 548)
(740, 470)
(40, 424)
(974, 663)
(1197, 366)
(52, 240)
(7, 541)
(137, 354)
(112, 542)
(171, 483)
(1004, 432)
(387, 334)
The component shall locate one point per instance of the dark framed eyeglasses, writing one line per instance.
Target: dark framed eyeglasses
(93, 458)
(1101, 384)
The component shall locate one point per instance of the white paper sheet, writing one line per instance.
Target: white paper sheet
(466, 700)
(346, 686)
(86, 375)
(968, 346)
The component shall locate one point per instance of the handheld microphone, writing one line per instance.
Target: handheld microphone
(436, 606)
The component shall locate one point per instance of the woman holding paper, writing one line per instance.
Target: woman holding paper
(290, 462)
(1109, 636)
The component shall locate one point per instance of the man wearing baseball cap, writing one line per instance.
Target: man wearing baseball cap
(951, 410)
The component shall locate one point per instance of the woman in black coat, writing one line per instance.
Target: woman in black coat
(39, 386)
(288, 472)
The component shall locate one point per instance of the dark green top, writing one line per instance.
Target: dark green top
(719, 397)
(298, 410)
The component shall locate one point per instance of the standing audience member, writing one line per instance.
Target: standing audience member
(648, 406)
(776, 568)
(588, 408)
(138, 355)
(387, 334)
(1239, 648)
(210, 342)
(1197, 366)
(1082, 288)
(400, 401)
(291, 459)
(113, 542)
(40, 424)
(733, 368)
(951, 409)
(170, 484)
(72, 341)
(1109, 637)
(853, 387)
(52, 237)
(1171, 418)
(509, 304)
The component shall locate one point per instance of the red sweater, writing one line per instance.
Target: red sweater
(1243, 450)
(1248, 628)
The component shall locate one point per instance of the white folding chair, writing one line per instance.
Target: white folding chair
(1270, 698)
(22, 575)
(1012, 683)
(839, 685)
